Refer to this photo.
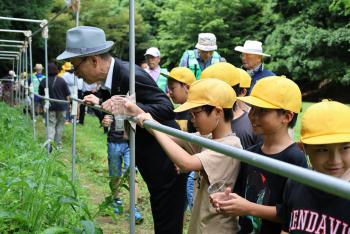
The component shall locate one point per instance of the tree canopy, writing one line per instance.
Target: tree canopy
(309, 40)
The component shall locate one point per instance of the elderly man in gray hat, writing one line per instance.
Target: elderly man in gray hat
(203, 56)
(87, 49)
(253, 62)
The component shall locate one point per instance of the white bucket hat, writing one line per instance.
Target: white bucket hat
(12, 73)
(38, 66)
(206, 42)
(251, 47)
(85, 41)
(154, 51)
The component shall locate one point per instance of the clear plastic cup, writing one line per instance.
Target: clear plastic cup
(119, 111)
(217, 186)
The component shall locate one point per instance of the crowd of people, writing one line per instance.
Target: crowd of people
(250, 108)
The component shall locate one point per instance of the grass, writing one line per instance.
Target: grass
(36, 193)
(92, 173)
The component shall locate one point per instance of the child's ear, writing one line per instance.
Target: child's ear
(289, 116)
(219, 110)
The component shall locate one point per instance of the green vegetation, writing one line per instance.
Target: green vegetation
(309, 40)
(92, 175)
(37, 194)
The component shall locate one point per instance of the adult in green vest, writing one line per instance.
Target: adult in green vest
(154, 70)
(203, 56)
(36, 78)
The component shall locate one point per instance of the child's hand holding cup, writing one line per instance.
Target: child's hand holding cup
(218, 192)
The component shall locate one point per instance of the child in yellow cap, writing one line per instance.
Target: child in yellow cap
(179, 80)
(325, 135)
(240, 123)
(210, 103)
(275, 102)
(244, 84)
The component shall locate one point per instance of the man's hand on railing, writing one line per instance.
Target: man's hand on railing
(91, 99)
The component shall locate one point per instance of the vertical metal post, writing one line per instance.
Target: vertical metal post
(13, 83)
(132, 133)
(18, 78)
(74, 112)
(31, 85)
(45, 35)
(26, 81)
(23, 70)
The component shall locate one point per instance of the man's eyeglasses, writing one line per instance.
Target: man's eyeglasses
(75, 69)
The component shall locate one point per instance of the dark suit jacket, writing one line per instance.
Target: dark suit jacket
(154, 165)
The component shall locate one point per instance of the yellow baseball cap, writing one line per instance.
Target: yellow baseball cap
(245, 79)
(222, 71)
(211, 92)
(326, 122)
(67, 66)
(181, 74)
(275, 92)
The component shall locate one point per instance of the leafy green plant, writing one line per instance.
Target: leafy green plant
(37, 195)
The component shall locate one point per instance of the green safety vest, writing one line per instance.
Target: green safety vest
(194, 66)
(36, 82)
(162, 81)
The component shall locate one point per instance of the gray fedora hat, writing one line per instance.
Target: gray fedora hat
(85, 41)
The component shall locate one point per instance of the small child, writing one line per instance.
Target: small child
(275, 103)
(244, 84)
(240, 124)
(179, 81)
(210, 103)
(325, 135)
(118, 163)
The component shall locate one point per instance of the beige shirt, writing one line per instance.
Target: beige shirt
(204, 219)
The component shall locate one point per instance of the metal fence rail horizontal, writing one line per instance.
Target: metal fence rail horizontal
(51, 99)
(305, 176)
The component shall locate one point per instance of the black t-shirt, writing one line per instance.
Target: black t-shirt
(115, 136)
(266, 188)
(244, 131)
(183, 119)
(58, 89)
(308, 210)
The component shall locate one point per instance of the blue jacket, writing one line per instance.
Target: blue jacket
(259, 74)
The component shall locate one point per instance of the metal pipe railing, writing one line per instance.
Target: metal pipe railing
(305, 176)
(11, 41)
(21, 19)
(51, 99)
(5, 45)
(132, 133)
(74, 111)
(14, 56)
(25, 32)
(31, 77)
(9, 52)
(11, 80)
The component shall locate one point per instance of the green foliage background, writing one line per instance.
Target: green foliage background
(309, 40)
